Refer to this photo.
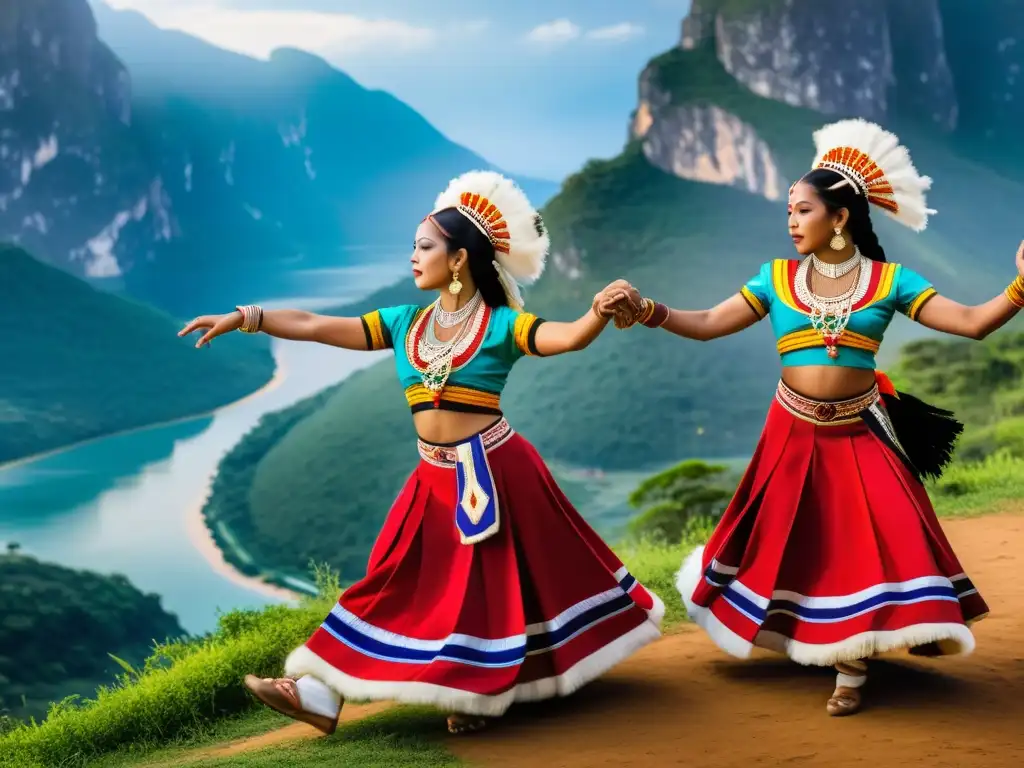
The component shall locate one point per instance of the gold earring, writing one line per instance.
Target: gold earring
(838, 242)
(455, 287)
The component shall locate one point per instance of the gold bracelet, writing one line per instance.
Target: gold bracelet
(646, 310)
(1015, 292)
(252, 318)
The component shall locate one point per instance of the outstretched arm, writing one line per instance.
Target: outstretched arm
(292, 324)
(558, 338)
(977, 322)
(731, 316)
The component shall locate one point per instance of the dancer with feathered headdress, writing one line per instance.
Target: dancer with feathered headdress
(830, 551)
(485, 586)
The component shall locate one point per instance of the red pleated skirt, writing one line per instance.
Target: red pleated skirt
(829, 551)
(533, 612)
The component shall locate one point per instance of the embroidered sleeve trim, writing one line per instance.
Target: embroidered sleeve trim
(377, 334)
(524, 333)
(753, 301)
(914, 309)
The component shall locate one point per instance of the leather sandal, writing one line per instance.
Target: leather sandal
(282, 695)
(844, 701)
(459, 724)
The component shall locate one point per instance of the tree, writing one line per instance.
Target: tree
(13, 547)
(672, 499)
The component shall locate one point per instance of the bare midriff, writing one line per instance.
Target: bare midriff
(441, 427)
(828, 382)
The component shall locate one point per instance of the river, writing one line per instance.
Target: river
(127, 503)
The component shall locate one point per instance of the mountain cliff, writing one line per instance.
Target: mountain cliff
(189, 176)
(72, 172)
(957, 69)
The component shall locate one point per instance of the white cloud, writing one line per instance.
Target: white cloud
(258, 33)
(565, 31)
(627, 30)
(559, 31)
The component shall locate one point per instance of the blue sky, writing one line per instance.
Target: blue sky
(537, 88)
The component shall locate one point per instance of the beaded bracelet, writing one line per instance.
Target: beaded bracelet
(1015, 292)
(252, 318)
(653, 314)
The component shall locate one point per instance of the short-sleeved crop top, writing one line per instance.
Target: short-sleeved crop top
(882, 290)
(497, 338)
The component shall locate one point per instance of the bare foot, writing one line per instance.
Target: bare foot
(466, 723)
(845, 701)
(281, 695)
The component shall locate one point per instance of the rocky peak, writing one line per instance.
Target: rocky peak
(958, 70)
(66, 144)
(702, 142)
(50, 42)
(834, 57)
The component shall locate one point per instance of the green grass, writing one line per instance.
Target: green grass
(403, 736)
(183, 689)
(186, 748)
(79, 363)
(993, 484)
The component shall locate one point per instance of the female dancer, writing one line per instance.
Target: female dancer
(830, 551)
(485, 585)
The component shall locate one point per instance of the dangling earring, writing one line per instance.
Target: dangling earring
(455, 287)
(838, 242)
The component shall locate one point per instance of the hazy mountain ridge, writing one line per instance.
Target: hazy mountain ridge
(182, 173)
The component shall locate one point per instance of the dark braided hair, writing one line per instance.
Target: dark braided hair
(460, 232)
(853, 200)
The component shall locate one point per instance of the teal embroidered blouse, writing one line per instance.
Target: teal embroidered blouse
(497, 338)
(882, 290)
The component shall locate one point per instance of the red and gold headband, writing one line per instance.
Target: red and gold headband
(485, 216)
(863, 172)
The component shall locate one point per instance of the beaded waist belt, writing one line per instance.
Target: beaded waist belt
(826, 412)
(448, 455)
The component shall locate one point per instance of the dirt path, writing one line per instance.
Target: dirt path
(683, 702)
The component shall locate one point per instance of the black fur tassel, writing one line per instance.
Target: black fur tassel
(928, 434)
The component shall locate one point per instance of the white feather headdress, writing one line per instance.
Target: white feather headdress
(502, 212)
(878, 166)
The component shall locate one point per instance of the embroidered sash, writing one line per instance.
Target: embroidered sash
(477, 514)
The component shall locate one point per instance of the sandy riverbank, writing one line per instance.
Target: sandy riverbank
(347, 362)
(201, 538)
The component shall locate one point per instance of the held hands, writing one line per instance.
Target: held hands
(1020, 259)
(619, 300)
(214, 325)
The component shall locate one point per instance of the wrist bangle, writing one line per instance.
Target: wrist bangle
(252, 318)
(1015, 292)
(653, 314)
